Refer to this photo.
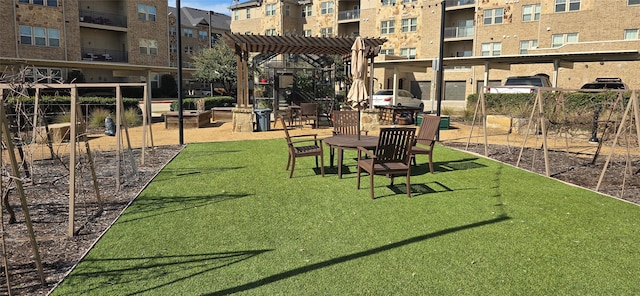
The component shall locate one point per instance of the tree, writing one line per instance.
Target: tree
(217, 65)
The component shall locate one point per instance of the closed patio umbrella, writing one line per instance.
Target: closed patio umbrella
(357, 96)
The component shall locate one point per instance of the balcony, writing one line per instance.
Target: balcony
(458, 32)
(455, 3)
(349, 15)
(107, 19)
(104, 55)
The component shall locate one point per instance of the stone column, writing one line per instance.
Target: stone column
(242, 120)
(369, 120)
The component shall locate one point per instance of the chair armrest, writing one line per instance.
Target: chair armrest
(302, 136)
(366, 151)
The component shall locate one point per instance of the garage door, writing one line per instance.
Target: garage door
(421, 89)
(454, 90)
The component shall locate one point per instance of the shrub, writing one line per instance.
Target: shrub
(62, 118)
(132, 117)
(210, 102)
(98, 116)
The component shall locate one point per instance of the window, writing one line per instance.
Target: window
(387, 51)
(408, 52)
(561, 5)
(491, 49)
(270, 32)
(326, 7)
(248, 13)
(149, 47)
(235, 15)
(39, 36)
(307, 33)
(631, 34)
(53, 37)
(43, 75)
(146, 12)
(287, 10)
(203, 35)
(409, 25)
(172, 31)
(531, 13)
(493, 16)
(558, 40)
(50, 3)
(409, 1)
(525, 45)
(306, 10)
(633, 2)
(25, 35)
(270, 9)
(387, 27)
(187, 32)
(326, 32)
(188, 49)
(388, 2)
(173, 48)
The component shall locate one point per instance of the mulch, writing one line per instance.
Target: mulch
(48, 202)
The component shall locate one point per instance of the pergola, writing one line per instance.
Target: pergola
(247, 44)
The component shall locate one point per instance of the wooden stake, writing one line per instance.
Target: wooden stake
(23, 200)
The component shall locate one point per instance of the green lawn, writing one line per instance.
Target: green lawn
(224, 218)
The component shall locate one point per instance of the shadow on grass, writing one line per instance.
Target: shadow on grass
(294, 272)
(169, 174)
(147, 207)
(420, 169)
(138, 268)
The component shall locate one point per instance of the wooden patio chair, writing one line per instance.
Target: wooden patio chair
(391, 157)
(303, 146)
(327, 112)
(309, 111)
(345, 122)
(291, 114)
(426, 137)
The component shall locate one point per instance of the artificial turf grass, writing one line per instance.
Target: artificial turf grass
(225, 217)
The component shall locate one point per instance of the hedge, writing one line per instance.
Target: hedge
(209, 102)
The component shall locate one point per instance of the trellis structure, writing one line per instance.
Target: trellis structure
(246, 44)
(630, 119)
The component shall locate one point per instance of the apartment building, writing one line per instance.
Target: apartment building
(108, 41)
(472, 28)
(200, 30)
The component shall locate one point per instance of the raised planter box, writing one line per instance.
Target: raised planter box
(190, 119)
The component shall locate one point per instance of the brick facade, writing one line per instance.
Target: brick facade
(600, 26)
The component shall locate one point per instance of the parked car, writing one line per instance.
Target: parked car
(605, 83)
(520, 84)
(404, 98)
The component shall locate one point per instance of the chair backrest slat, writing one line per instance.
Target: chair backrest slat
(345, 122)
(394, 144)
(428, 129)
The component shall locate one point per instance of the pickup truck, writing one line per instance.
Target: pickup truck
(520, 85)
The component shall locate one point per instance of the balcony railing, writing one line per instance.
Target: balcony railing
(107, 19)
(452, 3)
(104, 55)
(458, 32)
(349, 15)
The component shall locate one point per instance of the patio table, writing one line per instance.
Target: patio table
(342, 142)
